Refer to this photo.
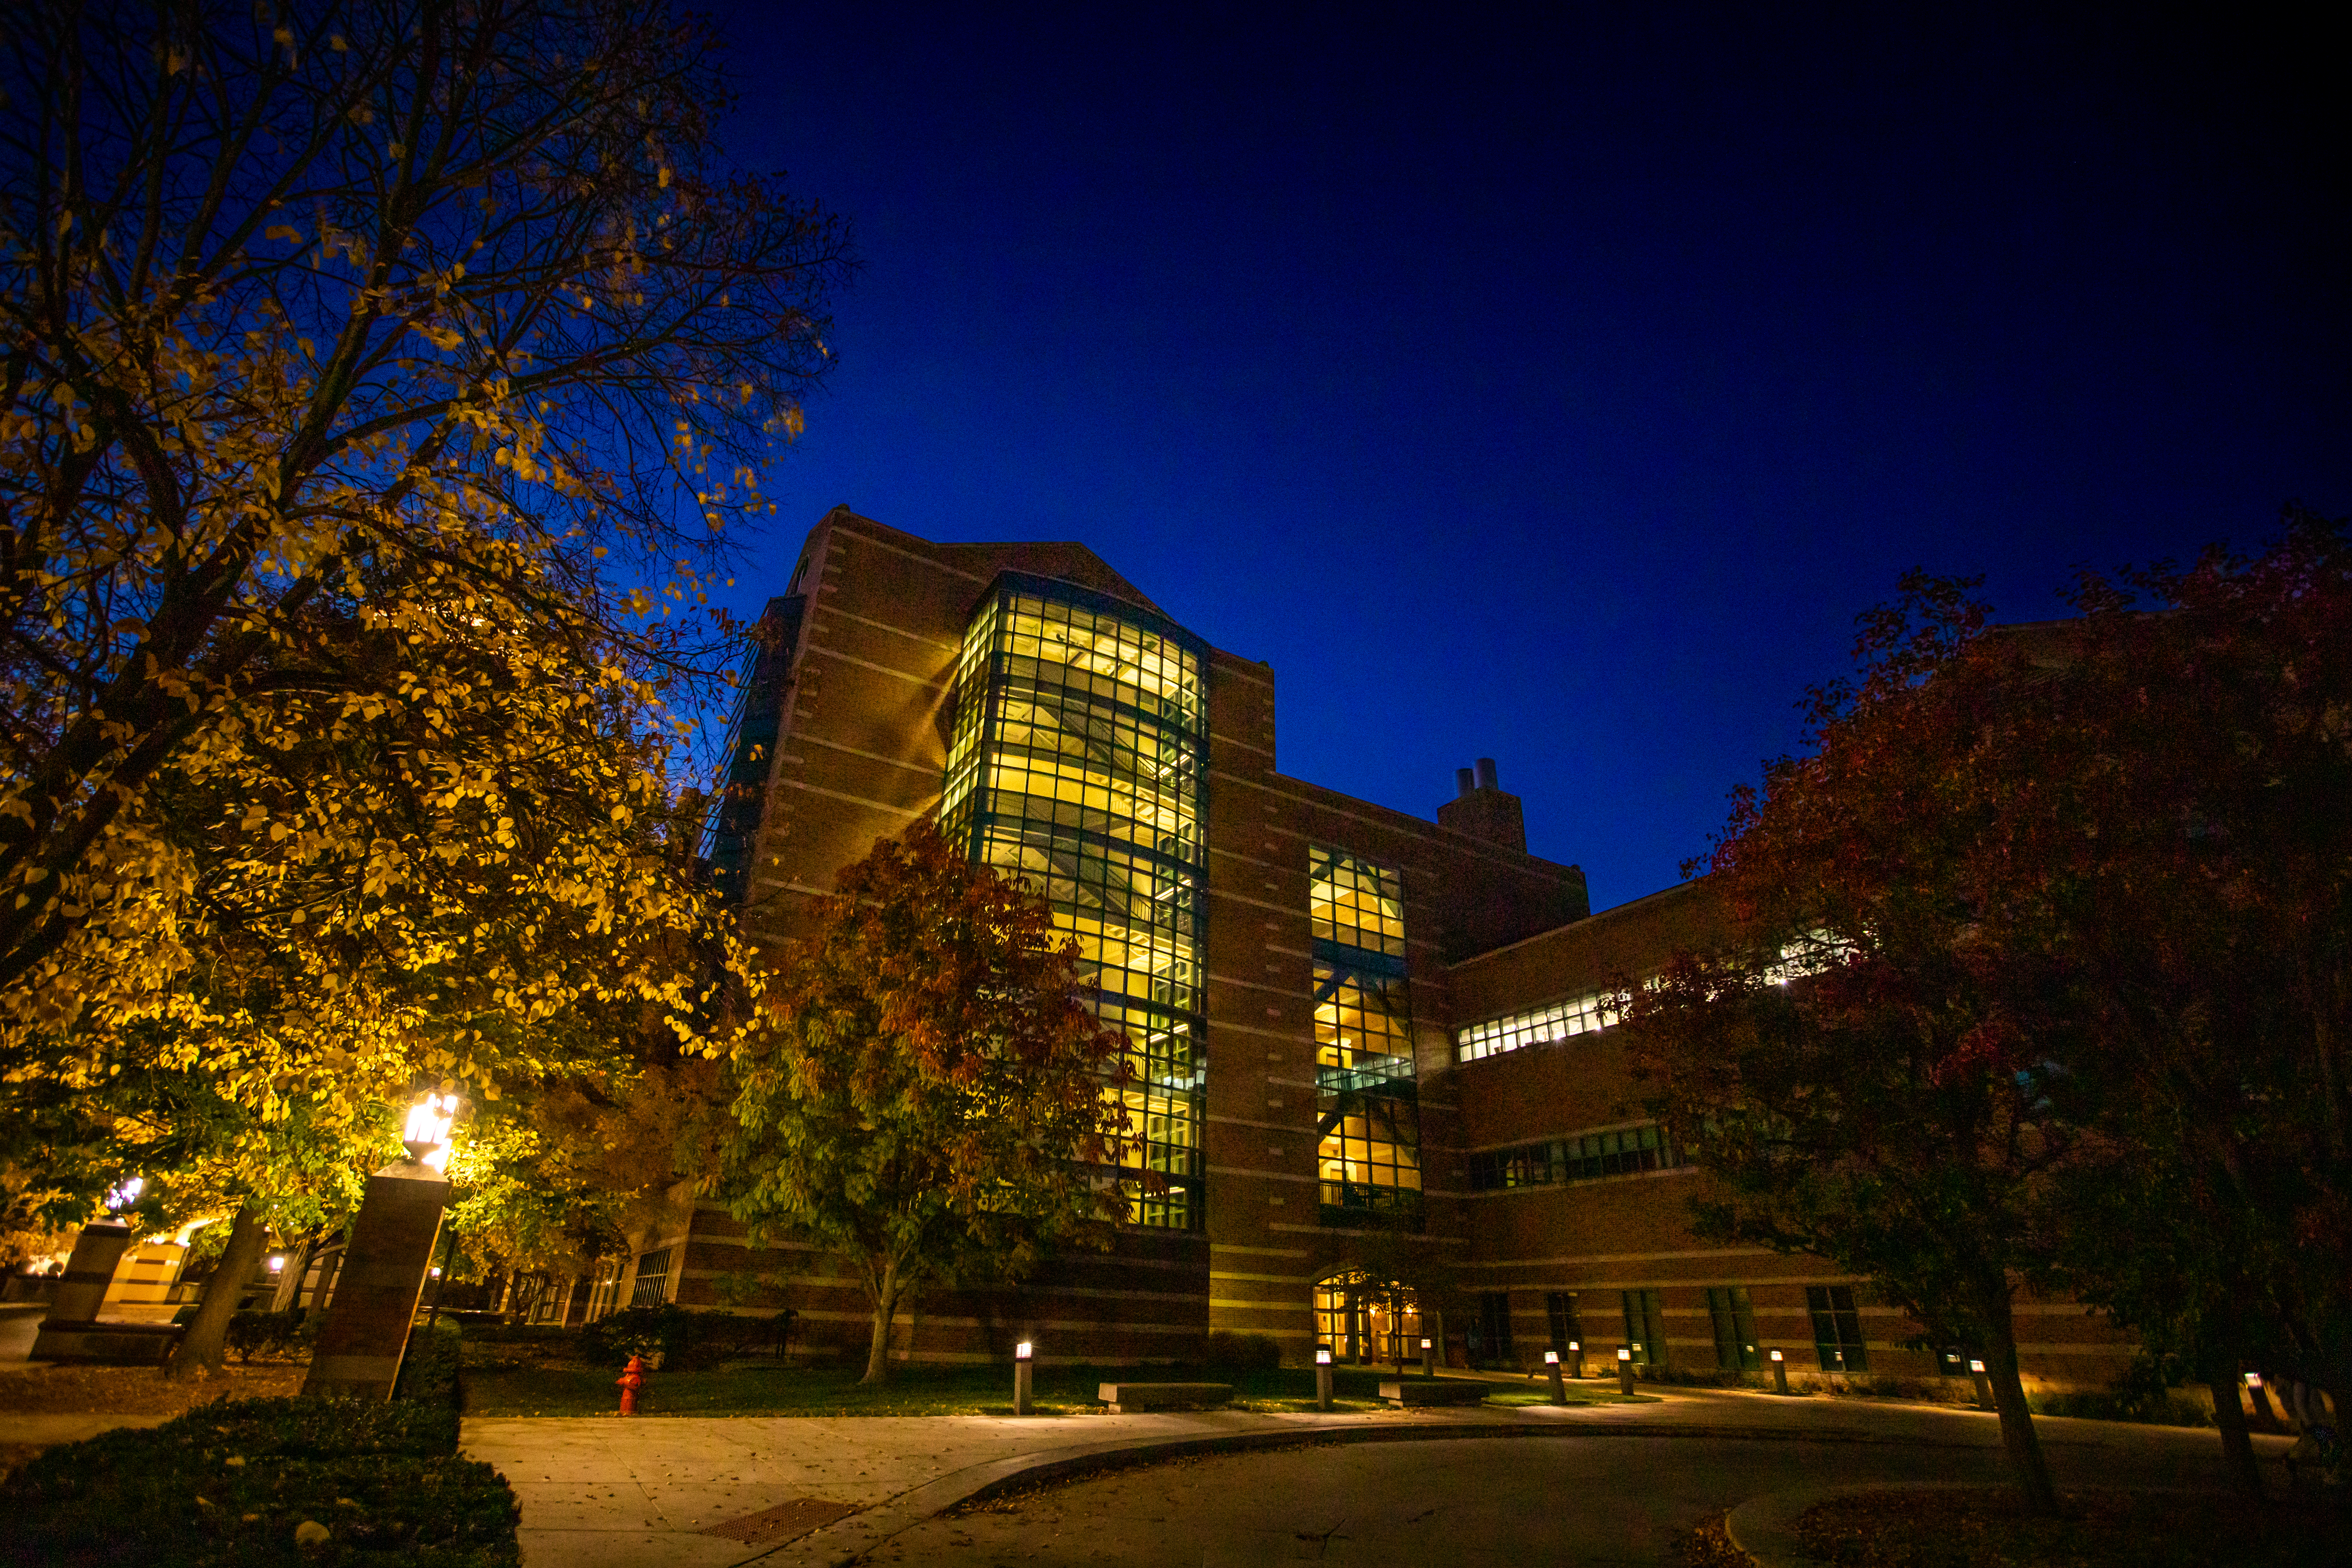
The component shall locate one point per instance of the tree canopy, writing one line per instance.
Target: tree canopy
(2039, 975)
(925, 1097)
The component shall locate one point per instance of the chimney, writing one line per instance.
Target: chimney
(1483, 810)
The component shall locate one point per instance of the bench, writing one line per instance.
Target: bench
(1435, 1391)
(1127, 1398)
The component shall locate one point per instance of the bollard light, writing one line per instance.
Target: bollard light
(2254, 1380)
(1973, 1366)
(1023, 1356)
(1624, 1371)
(1025, 1351)
(1323, 1378)
(277, 1263)
(1322, 1355)
(1551, 1368)
(1775, 1356)
(1551, 1358)
(427, 1136)
(1779, 1374)
(1624, 1355)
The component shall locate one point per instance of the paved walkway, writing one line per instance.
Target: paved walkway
(600, 1492)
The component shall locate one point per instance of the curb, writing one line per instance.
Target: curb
(850, 1539)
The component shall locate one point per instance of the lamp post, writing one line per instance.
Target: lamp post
(365, 1336)
(1575, 1348)
(1625, 1372)
(1323, 1378)
(1428, 1360)
(1781, 1373)
(1551, 1366)
(1984, 1386)
(1023, 1360)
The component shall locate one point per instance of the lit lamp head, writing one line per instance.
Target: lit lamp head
(2254, 1380)
(1551, 1358)
(1577, 1345)
(1425, 1344)
(1776, 1356)
(427, 1136)
(1322, 1355)
(1025, 1351)
(277, 1263)
(1624, 1355)
(124, 1194)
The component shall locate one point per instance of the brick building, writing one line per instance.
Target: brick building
(1366, 1045)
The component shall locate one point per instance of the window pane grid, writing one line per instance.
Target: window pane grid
(1076, 763)
(1558, 1021)
(1626, 1152)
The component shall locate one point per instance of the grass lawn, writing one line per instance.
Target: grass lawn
(1989, 1528)
(772, 1388)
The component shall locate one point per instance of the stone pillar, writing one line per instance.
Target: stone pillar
(97, 1252)
(377, 1285)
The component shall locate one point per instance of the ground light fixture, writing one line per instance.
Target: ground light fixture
(1575, 1348)
(1323, 1378)
(1428, 1360)
(427, 1136)
(1624, 1371)
(1780, 1372)
(1551, 1368)
(1984, 1389)
(1024, 1356)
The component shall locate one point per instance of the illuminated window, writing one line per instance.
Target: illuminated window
(1368, 1110)
(1074, 762)
(1735, 1328)
(1837, 1328)
(1577, 1016)
(1356, 903)
(1527, 1166)
(1361, 1318)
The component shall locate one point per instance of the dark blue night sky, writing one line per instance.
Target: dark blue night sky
(1560, 390)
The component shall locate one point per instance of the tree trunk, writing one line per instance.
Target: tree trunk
(2236, 1444)
(289, 1284)
(2018, 1438)
(886, 1306)
(205, 1345)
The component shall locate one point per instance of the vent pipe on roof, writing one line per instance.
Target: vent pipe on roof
(1462, 781)
(1486, 773)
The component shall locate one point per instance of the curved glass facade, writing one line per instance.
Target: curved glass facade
(1077, 763)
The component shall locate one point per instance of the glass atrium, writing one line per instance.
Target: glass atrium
(1077, 762)
(1368, 1110)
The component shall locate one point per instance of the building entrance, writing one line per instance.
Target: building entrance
(1362, 1318)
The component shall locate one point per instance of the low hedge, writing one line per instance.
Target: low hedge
(685, 1339)
(229, 1484)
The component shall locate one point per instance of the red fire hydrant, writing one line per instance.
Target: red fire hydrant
(630, 1382)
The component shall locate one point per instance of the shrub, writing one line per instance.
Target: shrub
(683, 1339)
(428, 1373)
(1243, 1353)
(228, 1483)
(269, 1332)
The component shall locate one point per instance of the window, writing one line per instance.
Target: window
(1493, 1345)
(1619, 1154)
(1076, 763)
(1559, 1307)
(603, 1293)
(1355, 902)
(653, 1280)
(1367, 1098)
(1645, 1328)
(1577, 1016)
(1527, 1166)
(1735, 1328)
(1837, 1328)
